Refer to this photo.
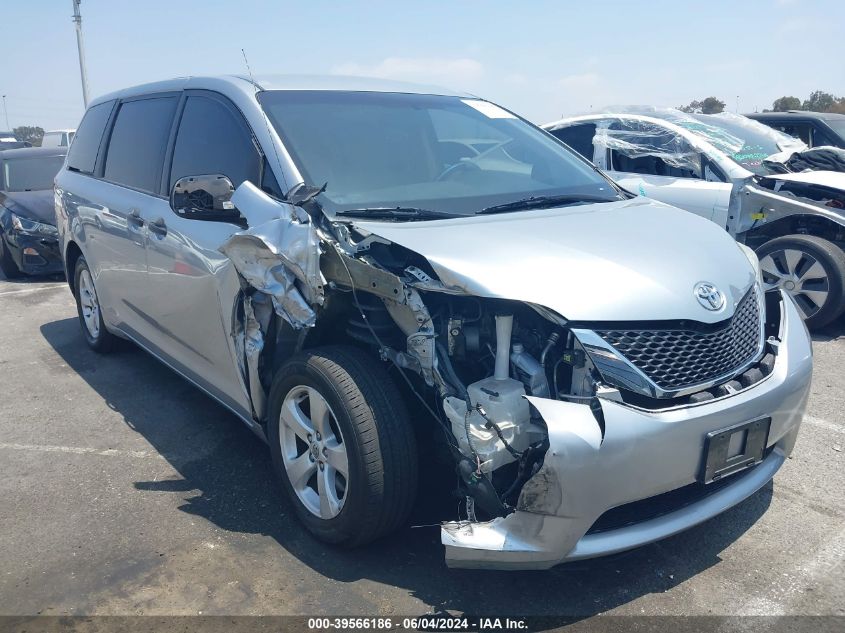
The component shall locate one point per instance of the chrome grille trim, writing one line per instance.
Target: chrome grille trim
(667, 363)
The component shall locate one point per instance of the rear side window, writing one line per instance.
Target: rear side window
(213, 139)
(136, 150)
(579, 138)
(83, 154)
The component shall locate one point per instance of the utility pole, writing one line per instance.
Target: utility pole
(6, 112)
(77, 18)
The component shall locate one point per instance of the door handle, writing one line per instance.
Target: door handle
(135, 218)
(158, 227)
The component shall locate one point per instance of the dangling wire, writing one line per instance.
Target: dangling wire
(446, 430)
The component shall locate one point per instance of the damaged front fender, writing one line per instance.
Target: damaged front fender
(280, 257)
(278, 261)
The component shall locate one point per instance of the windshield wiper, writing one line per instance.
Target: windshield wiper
(396, 213)
(539, 202)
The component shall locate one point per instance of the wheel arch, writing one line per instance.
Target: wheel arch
(72, 255)
(798, 224)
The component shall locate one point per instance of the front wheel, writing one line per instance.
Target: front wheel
(342, 445)
(811, 270)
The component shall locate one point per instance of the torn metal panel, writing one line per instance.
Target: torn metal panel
(253, 346)
(280, 257)
(762, 206)
(349, 272)
(402, 302)
(248, 333)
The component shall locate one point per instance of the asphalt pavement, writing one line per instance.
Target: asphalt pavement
(125, 490)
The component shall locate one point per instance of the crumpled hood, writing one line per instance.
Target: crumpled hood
(630, 260)
(832, 179)
(34, 205)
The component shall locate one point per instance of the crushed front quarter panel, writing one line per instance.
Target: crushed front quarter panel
(280, 257)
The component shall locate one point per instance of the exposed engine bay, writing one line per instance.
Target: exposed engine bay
(480, 356)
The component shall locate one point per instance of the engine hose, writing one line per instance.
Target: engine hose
(451, 376)
(554, 337)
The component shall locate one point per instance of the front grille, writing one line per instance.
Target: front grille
(677, 358)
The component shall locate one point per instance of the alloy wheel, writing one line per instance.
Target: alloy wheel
(89, 303)
(800, 275)
(313, 452)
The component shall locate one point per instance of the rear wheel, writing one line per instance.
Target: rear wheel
(7, 264)
(811, 270)
(342, 445)
(88, 307)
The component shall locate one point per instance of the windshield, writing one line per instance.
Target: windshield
(758, 141)
(31, 174)
(446, 154)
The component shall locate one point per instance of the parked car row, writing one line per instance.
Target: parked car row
(715, 166)
(9, 141)
(599, 369)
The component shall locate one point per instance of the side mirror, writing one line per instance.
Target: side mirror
(207, 197)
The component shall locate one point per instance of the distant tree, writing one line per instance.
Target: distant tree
(29, 133)
(839, 106)
(710, 105)
(820, 101)
(784, 104)
(692, 108)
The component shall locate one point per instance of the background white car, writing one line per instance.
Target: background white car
(714, 166)
(57, 138)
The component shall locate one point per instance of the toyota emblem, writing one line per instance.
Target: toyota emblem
(709, 296)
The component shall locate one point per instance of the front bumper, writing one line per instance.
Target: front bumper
(34, 254)
(642, 454)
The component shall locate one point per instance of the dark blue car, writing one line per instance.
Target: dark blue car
(28, 238)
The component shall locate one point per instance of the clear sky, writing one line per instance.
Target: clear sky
(541, 59)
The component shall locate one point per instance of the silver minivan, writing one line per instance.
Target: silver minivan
(384, 281)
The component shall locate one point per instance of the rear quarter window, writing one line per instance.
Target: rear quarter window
(82, 156)
(138, 140)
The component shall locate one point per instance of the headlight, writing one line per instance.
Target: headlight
(25, 225)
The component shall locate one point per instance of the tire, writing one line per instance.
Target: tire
(366, 410)
(7, 264)
(811, 270)
(98, 338)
